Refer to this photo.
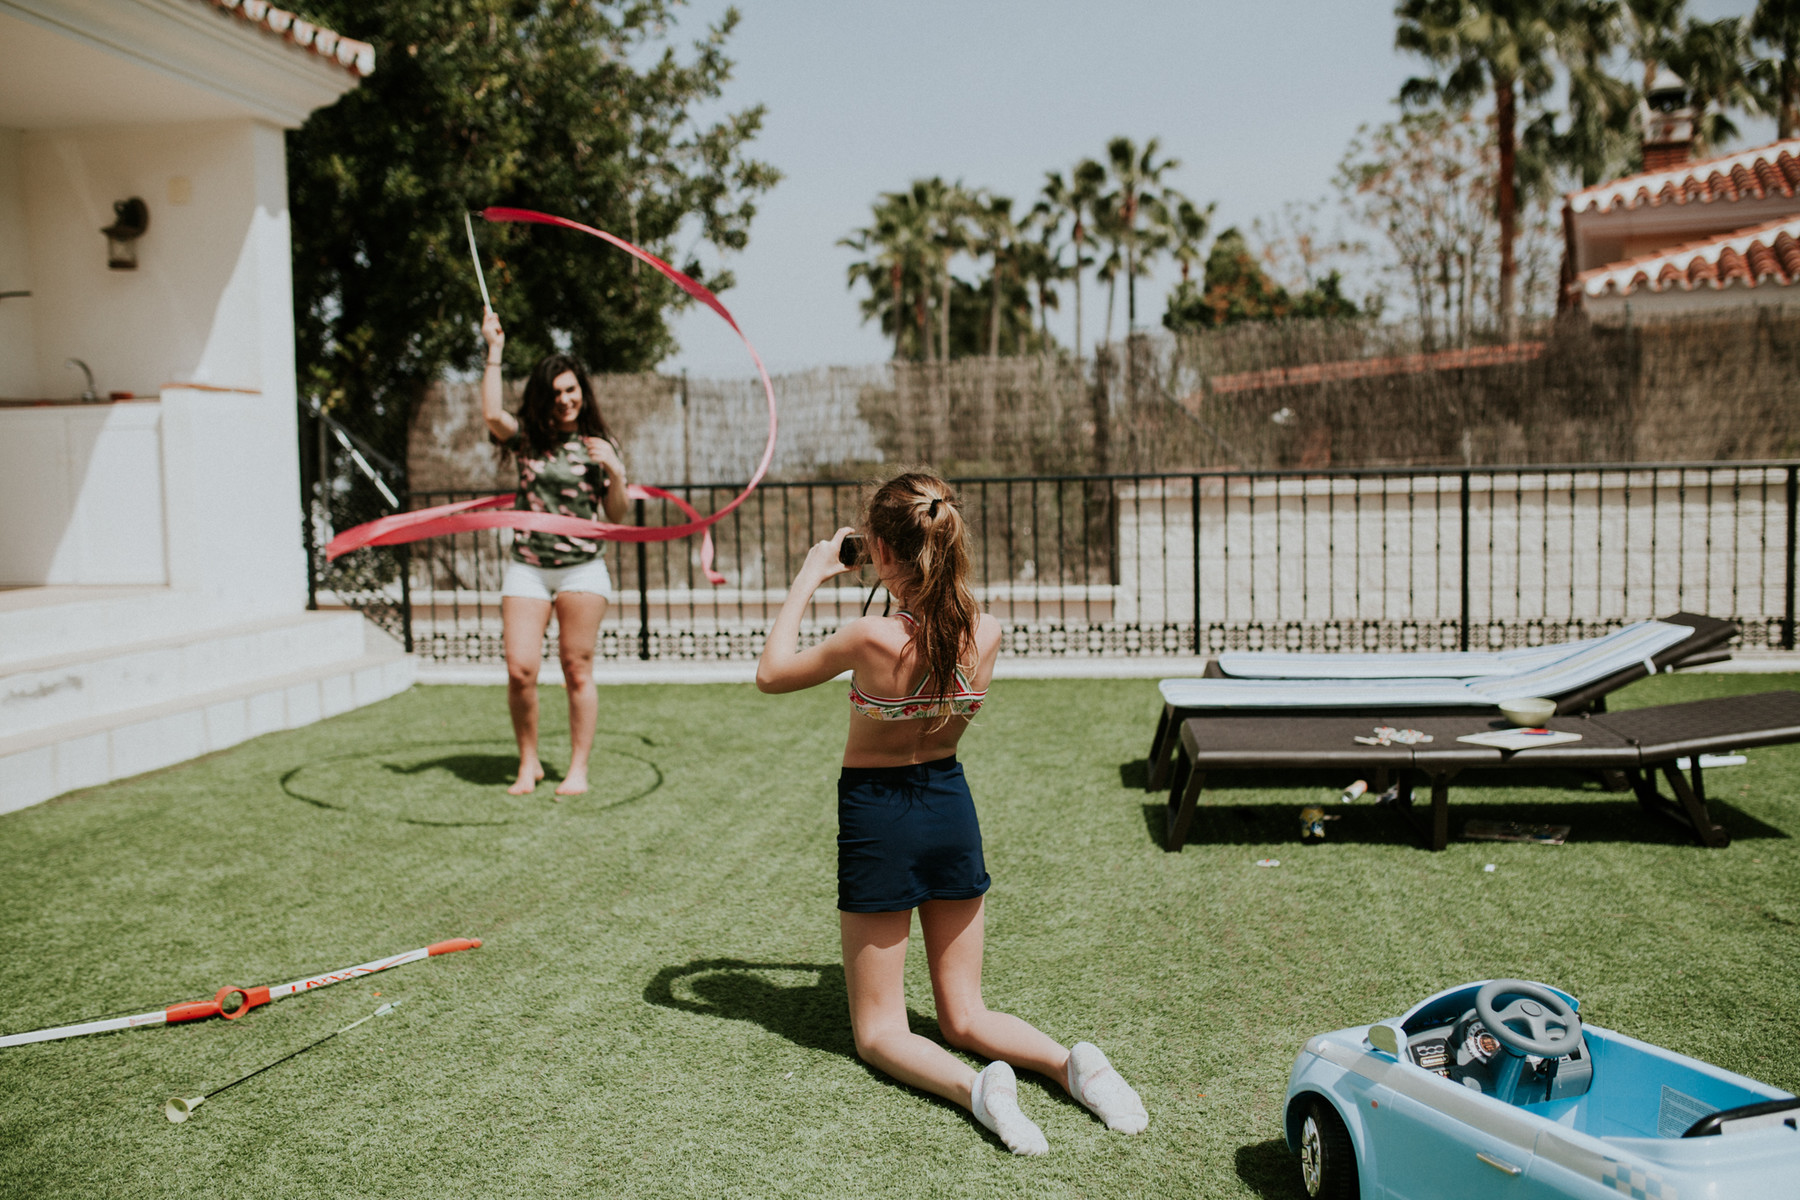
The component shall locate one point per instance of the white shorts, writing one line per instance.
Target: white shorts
(547, 583)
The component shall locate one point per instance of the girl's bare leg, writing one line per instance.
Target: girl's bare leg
(578, 617)
(522, 624)
(874, 969)
(953, 932)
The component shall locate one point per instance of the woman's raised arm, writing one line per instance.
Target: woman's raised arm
(502, 424)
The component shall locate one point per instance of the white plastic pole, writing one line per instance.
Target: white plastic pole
(247, 998)
(475, 256)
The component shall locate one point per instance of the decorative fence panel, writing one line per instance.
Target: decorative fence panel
(1201, 562)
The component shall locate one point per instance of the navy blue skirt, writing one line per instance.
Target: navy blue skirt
(907, 835)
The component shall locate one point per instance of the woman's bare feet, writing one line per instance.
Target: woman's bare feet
(529, 775)
(575, 783)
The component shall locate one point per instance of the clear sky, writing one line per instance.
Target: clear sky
(1257, 100)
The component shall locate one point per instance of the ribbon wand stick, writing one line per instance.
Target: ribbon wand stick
(179, 1109)
(475, 257)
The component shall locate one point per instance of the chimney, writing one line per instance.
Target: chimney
(1668, 121)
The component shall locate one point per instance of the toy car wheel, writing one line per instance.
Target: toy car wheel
(1327, 1159)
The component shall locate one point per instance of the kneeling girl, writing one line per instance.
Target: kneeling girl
(908, 837)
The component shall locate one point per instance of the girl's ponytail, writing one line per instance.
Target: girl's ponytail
(917, 516)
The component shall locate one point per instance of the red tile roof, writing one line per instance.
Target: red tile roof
(1762, 254)
(1772, 170)
(1362, 368)
(356, 57)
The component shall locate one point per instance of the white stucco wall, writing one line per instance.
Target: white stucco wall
(194, 310)
(82, 490)
(204, 323)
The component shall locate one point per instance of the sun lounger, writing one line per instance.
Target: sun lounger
(1638, 742)
(1452, 664)
(1578, 680)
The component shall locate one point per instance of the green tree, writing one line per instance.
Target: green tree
(1712, 58)
(560, 105)
(1776, 78)
(1236, 289)
(899, 264)
(1599, 140)
(995, 236)
(1078, 200)
(1139, 215)
(1506, 48)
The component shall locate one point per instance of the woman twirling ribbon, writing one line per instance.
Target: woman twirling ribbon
(570, 475)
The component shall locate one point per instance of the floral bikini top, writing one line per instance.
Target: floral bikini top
(965, 701)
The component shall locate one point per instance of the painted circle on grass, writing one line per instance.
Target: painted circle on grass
(463, 783)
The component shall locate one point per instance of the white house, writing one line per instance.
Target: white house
(152, 575)
(1683, 236)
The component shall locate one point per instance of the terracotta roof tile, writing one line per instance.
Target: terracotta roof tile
(1772, 170)
(356, 57)
(1762, 255)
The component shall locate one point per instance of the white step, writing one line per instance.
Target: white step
(83, 753)
(39, 621)
(86, 683)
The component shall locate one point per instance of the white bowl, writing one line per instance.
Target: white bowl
(1529, 713)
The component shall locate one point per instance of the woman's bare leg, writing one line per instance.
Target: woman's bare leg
(874, 971)
(522, 624)
(578, 617)
(953, 932)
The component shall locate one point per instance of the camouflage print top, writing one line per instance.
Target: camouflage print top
(567, 482)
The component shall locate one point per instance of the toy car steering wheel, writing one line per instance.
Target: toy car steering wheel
(1552, 1033)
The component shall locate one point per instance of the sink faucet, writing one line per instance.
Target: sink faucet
(88, 394)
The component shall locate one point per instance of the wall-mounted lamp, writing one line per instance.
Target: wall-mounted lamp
(130, 219)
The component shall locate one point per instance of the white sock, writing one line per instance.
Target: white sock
(995, 1102)
(1104, 1091)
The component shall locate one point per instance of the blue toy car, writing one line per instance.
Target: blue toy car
(1498, 1089)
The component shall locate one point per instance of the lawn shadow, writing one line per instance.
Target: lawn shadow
(482, 770)
(1592, 813)
(814, 1015)
(1268, 1169)
(1135, 775)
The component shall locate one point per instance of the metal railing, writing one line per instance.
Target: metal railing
(1196, 563)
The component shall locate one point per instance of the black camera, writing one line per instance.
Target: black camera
(851, 551)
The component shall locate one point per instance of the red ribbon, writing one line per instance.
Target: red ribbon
(466, 515)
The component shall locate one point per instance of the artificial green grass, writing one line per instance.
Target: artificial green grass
(659, 1010)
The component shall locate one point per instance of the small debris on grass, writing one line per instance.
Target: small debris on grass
(789, 1075)
(1489, 868)
(1268, 862)
(1513, 831)
(1312, 823)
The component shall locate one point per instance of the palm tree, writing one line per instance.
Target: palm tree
(1136, 174)
(1076, 200)
(948, 209)
(1711, 59)
(1507, 47)
(1655, 29)
(1598, 143)
(995, 238)
(1188, 224)
(1777, 78)
(900, 259)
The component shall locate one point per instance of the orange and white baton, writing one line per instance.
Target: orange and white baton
(233, 1002)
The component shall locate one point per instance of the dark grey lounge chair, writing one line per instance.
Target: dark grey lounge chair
(1638, 743)
(1579, 682)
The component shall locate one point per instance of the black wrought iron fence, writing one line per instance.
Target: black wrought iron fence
(1196, 563)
